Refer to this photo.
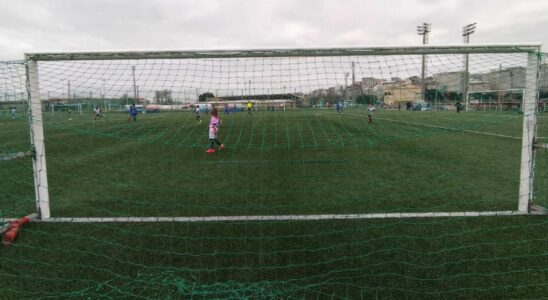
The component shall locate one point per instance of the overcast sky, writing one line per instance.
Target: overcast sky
(74, 25)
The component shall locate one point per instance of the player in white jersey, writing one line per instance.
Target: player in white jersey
(370, 110)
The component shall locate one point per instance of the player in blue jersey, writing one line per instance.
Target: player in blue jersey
(132, 113)
(338, 107)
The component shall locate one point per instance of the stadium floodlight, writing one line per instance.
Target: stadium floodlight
(423, 30)
(466, 32)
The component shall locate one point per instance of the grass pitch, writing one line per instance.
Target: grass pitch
(297, 162)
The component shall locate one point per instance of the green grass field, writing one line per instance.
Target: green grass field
(299, 162)
(294, 162)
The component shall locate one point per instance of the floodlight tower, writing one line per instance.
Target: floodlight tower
(134, 85)
(345, 92)
(423, 30)
(466, 32)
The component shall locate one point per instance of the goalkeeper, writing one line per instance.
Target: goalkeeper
(249, 107)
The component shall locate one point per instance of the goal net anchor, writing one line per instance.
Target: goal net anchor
(11, 230)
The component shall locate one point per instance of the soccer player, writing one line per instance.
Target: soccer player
(132, 113)
(197, 112)
(96, 113)
(459, 106)
(249, 107)
(370, 110)
(214, 123)
(13, 112)
(339, 107)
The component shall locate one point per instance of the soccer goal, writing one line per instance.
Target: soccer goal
(497, 100)
(66, 108)
(280, 159)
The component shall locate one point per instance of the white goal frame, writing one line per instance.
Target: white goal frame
(469, 102)
(530, 99)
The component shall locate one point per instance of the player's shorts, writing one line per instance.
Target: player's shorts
(212, 133)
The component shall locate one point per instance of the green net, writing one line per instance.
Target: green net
(16, 172)
(541, 157)
(291, 206)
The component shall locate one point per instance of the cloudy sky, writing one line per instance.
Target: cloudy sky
(72, 25)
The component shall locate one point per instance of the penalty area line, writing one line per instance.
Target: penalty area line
(401, 215)
(453, 129)
(445, 128)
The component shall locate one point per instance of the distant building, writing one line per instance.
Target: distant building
(370, 82)
(372, 86)
(400, 92)
(504, 79)
(476, 84)
(449, 81)
(353, 91)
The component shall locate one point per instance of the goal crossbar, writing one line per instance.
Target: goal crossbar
(298, 52)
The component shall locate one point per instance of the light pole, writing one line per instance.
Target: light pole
(249, 89)
(466, 32)
(423, 30)
(345, 91)
(103, 95)
(134, 85)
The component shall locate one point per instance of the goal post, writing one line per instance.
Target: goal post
(316, 74)
(530, 102)
(38, 141)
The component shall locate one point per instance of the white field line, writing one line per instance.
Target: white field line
(446, 128)
(4, 227)
(278, 217)
(454, 129)
(10, 156)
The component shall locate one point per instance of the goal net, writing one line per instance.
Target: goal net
(257, 173)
